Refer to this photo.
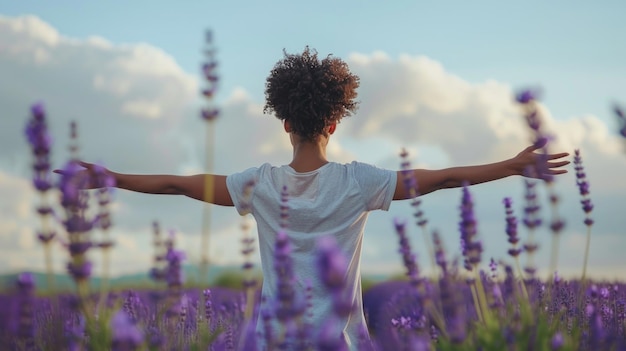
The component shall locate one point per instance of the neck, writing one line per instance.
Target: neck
(308, 155)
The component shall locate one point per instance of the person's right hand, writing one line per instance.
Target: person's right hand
(85, 175)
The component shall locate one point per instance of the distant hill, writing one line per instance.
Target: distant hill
(63, 282)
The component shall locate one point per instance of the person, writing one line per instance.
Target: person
(311, 96)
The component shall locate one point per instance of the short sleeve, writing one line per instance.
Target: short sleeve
(377, 185)
(236, 184)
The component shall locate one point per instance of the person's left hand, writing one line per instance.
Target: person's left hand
(541, 166)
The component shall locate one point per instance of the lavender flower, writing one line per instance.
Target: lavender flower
(526, 96)
(40, 142)
(174, 276)
(587, 206)
(440, 255)
(209, 72)
(531, 221)
(472, 249)
(248, 282)
(331, 262)
(412, 191)
(557, 341)
(528, 100)
(451, 304)
(583, 187)
(158, 271)
(511, 227)
(26, 321)
(286, 295)
(329, 339)
(284, 208)
(408, 258)
(333, 267)
(126, 336)
(131, 303)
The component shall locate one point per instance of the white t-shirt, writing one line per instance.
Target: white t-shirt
(332, 200)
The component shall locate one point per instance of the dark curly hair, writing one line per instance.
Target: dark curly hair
(310, 93)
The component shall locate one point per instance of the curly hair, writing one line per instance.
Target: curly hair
(310, 93)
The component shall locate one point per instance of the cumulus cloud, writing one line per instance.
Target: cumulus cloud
(137, 112)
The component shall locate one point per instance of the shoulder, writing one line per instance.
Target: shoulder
(248, 175)
(362, 167)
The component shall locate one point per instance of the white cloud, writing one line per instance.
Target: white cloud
(26, 32)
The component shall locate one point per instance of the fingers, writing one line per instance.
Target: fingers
(538, 145)
(559, 155)
(86, 164)
(558, 164)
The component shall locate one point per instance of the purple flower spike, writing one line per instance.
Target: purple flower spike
(333, 266)
(209, 72)
(526, 96)
(40, 142)
(511, 227)
(407, 255)
(557, 341)
(25, 303)
(286, 306)
(79, 271)
(472, 249)
(174, 276)
(126, 335)
(26, 282)
(583, 187)
(331, 262)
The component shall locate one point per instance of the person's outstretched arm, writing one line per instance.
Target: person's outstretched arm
(191, 186)
(432, 180)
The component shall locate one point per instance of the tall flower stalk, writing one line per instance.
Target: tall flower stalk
(159, 268)
(77, 225)
(411, 186)
(249, 282)
(472, 251)
(531, 221)
(40, 142)
(412, 272)
(332, 266)
(209, 114)
(26, 317)
(587, 206)
(511, 232)
(104, 181)
(541, 139)
(247, 242)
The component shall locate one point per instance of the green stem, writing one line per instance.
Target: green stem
(208, 198)
(521, 278)
(586, 254)
(482, 297)
(429, 246)
(104, 286)
(476, 303)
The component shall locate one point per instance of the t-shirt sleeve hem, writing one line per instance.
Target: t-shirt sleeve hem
(390, 191)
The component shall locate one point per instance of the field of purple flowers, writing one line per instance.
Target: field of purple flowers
(461, 308)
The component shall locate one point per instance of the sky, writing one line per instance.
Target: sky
(437, 78)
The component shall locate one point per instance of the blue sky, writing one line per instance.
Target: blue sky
(570, 48)
(436, 77)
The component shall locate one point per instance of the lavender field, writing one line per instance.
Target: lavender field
(465, 307)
